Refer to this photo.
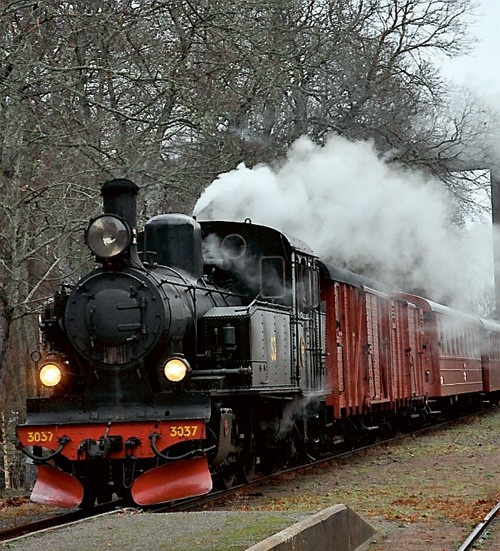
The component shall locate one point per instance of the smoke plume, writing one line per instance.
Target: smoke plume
(356, 209)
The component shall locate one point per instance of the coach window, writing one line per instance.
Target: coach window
(477, 342)
(442, 337)
(272, 277)
(451, 339)
(441, 343)
(471, 337)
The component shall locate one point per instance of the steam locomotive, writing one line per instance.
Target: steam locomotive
(197, 351)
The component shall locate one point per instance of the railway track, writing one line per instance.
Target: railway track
(189, 504)
(56, 520)
(468, 544)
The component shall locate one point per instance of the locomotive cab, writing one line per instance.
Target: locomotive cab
(279, 333)
(260, 262)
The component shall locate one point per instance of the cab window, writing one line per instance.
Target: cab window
(307, 286)
(272, 277)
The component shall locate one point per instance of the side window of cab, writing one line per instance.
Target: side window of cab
(272, 277)
(307, 286)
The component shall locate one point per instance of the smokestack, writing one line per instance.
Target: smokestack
(495, 211)
(120, 198)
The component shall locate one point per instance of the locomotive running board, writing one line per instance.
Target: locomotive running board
(57, 488)
(186, 478)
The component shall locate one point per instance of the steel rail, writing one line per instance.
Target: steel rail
(57, 520)
(479, 529)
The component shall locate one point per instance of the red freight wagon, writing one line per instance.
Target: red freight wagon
(373, 358)
(490, 351)
(451, 349)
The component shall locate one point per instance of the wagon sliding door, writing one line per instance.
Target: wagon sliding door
(378, 310)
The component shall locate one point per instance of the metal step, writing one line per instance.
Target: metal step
(369, 429)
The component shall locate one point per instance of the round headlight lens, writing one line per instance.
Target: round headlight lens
(50, 374)
(108, 236)
(176, 369)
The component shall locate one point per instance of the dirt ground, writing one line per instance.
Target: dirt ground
(424, 493)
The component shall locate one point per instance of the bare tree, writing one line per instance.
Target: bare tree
(263, 73)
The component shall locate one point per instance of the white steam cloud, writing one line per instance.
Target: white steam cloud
(358, 210)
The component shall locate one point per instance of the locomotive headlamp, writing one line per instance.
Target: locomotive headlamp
(108, 236)
(50, 374)
(176, 369)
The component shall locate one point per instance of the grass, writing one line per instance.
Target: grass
(444, 475)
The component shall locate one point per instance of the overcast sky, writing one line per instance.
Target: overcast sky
(480, 70)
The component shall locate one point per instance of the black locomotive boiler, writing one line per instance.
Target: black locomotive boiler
(192, 352)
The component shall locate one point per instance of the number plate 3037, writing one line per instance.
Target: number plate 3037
(39, 436)
(187, 431)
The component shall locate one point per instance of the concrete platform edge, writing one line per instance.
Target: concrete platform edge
(336, 528)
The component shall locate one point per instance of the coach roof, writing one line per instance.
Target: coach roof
(330, 272)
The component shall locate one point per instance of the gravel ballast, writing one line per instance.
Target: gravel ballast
(130, 530)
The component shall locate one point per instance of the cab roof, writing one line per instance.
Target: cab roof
(258, 230)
